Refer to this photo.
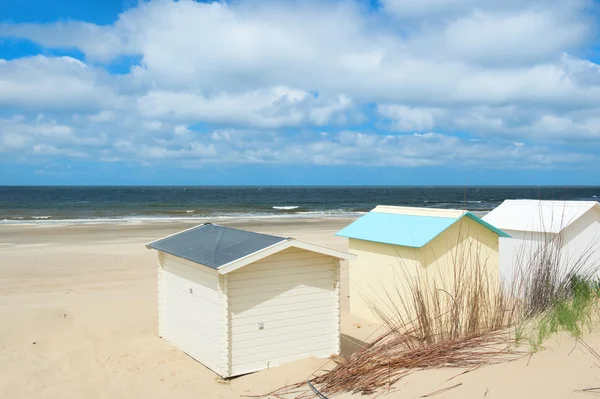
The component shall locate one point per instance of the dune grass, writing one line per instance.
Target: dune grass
(466, 302)
(574, 315)
(546, 294)
(553, 291)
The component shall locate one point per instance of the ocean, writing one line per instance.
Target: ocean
(124, 204)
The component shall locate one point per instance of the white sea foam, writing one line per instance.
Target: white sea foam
(194, 218)
(41, 217)
(285, 208)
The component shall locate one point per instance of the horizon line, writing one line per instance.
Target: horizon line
(300, 186)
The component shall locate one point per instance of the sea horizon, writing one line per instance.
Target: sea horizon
(300, 185)
(114, 204)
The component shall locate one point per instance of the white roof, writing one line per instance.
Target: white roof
(538, 216)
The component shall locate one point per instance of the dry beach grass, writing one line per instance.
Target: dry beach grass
(468, 320)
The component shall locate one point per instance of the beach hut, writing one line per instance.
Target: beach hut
(240, 302)
(395, 244)
(566, 233)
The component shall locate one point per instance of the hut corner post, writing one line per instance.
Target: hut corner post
(337, 279)
(161, 295)
(223, 285)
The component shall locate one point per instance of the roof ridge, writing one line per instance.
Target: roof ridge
(419, 211)
(174, 234)
(565, 202)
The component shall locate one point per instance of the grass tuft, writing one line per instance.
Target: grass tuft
(574, 314)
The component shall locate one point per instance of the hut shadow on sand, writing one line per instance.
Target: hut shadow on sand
(350, 345)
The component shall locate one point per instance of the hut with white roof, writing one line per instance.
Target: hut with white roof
(396, 244)
(568, 230)
(240, 302)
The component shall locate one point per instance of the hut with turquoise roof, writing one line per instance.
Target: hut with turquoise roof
(396, 245)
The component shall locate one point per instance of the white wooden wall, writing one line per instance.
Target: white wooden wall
(580, 244)
(192, 311)
(282, 308)
(517, 251)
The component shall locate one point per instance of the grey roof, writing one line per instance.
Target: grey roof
(213, 245)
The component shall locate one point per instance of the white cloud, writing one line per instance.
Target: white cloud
(100, 42)
(152, 125)
(219, 50)
(407, 119)
(408, 9)
(534, 124)
(427, 10)
(500, 72)
(10, 141)
(178, 145)
(555, 126)
(103, 116)
(55, 83)
(510, 39)
(354, 148)
(268, 108)
(181, 130)
(42, 136)
(321, 115)
(50, 150)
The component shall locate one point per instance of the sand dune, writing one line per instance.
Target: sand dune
(78, 320)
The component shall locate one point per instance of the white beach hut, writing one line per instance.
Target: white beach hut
(240, 302)
(572, 228)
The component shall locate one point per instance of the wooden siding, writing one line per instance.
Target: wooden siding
(582, 244)
(192, 311)
(576, 247)
(161, 296)
(377, 270)
(294, 295)
(382, 273)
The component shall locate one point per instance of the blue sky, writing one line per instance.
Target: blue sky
(299, 92)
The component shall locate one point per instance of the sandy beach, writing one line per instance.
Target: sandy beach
(78, 320)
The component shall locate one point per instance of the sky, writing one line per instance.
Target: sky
(387, 92)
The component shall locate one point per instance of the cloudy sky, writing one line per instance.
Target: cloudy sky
(299, 92)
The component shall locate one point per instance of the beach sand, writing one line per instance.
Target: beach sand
(78, 320)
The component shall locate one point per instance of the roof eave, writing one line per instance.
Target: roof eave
(383, 242)
(487, 225)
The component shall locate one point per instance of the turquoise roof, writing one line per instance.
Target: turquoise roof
(405, 230)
